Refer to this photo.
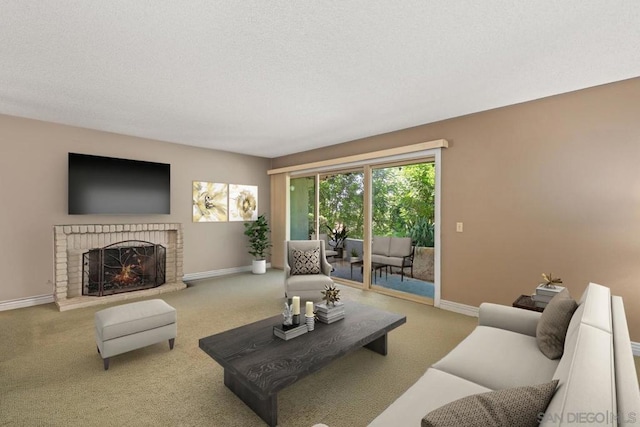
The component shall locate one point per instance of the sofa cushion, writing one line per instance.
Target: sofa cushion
(553, 324)
(434, 389)
(520, 406)
(627, 393)
(496, 358)
(306, 262)
(308, 282)
(597, 307)
(587, 388)
(586, 371)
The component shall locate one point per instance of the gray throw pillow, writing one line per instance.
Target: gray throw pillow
(514, 407)
(306, 262)
(553, 324)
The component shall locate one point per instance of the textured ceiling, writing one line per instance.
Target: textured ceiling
(270, 78)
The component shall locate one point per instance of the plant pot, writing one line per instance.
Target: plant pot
(259, 266)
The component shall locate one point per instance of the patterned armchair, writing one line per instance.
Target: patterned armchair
(306, 269)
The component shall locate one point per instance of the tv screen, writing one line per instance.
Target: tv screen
(106, 185)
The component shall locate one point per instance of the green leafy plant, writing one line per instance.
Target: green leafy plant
(258, 233)
(422, 233)
(354, 253)
(338, 236)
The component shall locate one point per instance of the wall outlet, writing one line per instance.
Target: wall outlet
(459, 227)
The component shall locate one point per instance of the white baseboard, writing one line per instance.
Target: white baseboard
(26, 302)
(46, 299)
(215, 273)
(456, 307)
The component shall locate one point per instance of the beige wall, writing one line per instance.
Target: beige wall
(546, 186)
(33, 198)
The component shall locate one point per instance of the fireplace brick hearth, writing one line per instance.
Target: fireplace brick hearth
(71, 241)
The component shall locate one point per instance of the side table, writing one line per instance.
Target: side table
(527, 303)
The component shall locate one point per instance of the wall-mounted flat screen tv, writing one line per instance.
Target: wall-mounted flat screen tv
(107, 185)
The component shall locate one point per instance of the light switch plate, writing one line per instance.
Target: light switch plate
(459, 227)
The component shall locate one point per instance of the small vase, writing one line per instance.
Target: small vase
(310, 323)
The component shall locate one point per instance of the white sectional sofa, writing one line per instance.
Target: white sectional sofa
(597, 382)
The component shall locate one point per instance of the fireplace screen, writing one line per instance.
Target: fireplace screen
(126, 266)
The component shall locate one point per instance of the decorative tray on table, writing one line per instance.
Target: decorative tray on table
(289, 332)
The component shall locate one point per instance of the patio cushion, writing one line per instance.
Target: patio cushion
(380, 245)
(400, 247)
(387, 260)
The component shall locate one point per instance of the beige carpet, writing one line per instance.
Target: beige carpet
(51, 374)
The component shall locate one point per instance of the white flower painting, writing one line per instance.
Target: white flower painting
(210, 203)
(243, 202)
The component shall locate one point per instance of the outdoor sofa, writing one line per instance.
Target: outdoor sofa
(393, 252)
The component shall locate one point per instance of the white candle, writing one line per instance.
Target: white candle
(295, 302)
(309, 308)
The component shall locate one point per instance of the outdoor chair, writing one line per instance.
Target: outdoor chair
(306, 269)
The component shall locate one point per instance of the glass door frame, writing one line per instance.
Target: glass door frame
(431, 155)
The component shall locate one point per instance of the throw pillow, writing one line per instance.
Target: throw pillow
(306, 262)
(514, 407)
(553, 324)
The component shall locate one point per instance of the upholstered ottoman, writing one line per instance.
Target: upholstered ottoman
(135, 325)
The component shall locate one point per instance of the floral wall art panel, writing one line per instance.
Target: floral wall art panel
(243, 202)
(210, 202)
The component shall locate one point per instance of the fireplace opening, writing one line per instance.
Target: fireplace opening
(131, 265)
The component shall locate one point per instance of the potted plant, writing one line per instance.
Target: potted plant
(338, 236)
(355, 256)
(258, 233)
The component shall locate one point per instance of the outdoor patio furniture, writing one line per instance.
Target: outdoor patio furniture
(327, 249)
(394, 252)
(375, 267)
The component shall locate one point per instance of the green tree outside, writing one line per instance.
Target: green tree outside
(403, 202)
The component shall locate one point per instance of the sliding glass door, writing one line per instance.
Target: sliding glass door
(403, 217)
(341, 218)
(302, 208)
(379, 218)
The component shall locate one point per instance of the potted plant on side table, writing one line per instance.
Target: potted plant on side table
(258, 233)
(354, 255)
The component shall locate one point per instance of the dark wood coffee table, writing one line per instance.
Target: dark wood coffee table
(257, 364)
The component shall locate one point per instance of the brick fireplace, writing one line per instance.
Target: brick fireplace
(73, 241)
